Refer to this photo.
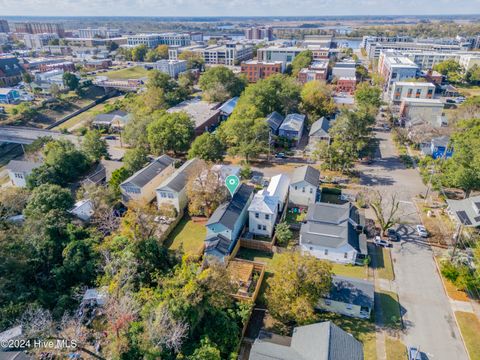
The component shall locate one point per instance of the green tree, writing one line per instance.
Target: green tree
(118, 176)
(302, 60)
(139, 52)
(71, 81)
(194, 59)
(472, 76)
(48, 197)
(298, 283)
(283, 233)
(317, 100)
(220, 83)
(93, 146)
(135, 159)
(451, 69)
(207, 147)
(171, 132)
(206, 351)
(367, 95)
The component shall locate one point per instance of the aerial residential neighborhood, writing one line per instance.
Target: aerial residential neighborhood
(249, 181)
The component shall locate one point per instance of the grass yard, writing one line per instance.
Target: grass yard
(395, 349)
(353, 271)
(452, 291)
(294, 217)
(469, 90)
(188, 236)
(136, 72)
(382, 262)
(390, 309)
(255, 255)
(362, 330)
(470, 329)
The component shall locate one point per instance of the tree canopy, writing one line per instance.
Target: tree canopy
(220, 84)
(171, 132)
(207, 147)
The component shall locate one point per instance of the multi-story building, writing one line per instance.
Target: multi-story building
(411, 90)
(421, 110)
(369, 39)
(259, 33)
(46, 79)
(344, 69)
(278, 53)
(228, 54)
(102, 32)
(428, 59)
(4, 28)
(470, 60)
(346, 85)
(65, 66)
(255, 70)
(10, 71)
(393, 66)
(40, 28)
(375, 49)
(98, 64)
(171, 67)
(37, 41)
(317, 70)
(153, 40)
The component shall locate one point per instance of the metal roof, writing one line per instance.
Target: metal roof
(229, 105)
(274, 120)
(352, 291)
(320, 127)
(20, 166)
(306, 173)
(178, 179)
(293, 122)
(148, 173)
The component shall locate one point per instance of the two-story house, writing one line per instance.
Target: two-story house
(226, 223)
(173, 190)
(292, 127)
(18, 171)
(304, 186)
(333, 232)
(141, 186)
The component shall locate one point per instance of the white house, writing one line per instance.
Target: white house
(332, 232)
(304, 186)
(19, 170)
(262, 214)
(278, 186)
(83, 209)
(141, 186)
(173, 190)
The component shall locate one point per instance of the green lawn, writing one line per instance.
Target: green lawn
(382, 262)
(188, 236)
(353, 271)
(294, 217)
(395, 349)
(363, 330)
(470, 329)
(136, 72)
(390, 309)
(255, 255)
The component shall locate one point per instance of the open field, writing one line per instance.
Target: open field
(136, 72)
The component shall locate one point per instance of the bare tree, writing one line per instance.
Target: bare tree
(164, 331)
(386, 208)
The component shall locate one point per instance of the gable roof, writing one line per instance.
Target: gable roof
(229, 105)
(148, 173)
(441, 141)
(20, 166)
(352, 291)
(279, 186)
(320, 127)
(264, 203)
(10, 67)
(178, 179)
(293, 122)
(274, 120)
(466, 211)
(217, 245)
(227, 214)
(306, 173)
(321, 341)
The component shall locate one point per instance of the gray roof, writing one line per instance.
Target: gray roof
(20, 166)
(217, 245)
(321, 341)
(148, 173)
(330, 225)
(293, 122)
(178, 179)
(306, 173)
(352, 291)
(10, 67)
(320, 127)
(228, 213)
(274, 120)
(466, 211)
(441, 141)
(229, 105)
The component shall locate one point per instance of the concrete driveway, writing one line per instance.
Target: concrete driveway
(427, 314)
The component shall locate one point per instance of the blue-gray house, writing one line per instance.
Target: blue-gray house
(438, 148)
(292, 127)
(226, 223)
(274, 121)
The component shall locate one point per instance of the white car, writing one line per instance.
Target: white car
(381, 242)
(421, 231)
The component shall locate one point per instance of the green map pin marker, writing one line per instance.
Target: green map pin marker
(232, 183)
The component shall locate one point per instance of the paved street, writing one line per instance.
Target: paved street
(425, 306)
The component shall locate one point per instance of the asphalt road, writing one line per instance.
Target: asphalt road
(426, 310)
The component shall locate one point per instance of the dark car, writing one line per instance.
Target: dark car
(280, 155)
(393, 235)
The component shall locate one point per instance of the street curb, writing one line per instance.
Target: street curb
(448, 297)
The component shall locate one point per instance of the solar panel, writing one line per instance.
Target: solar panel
(464, 219)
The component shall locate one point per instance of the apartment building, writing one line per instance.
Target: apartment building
(411, 90)
(344, 69)
(375, 49)
(318, 70)
(64, 66)
(259, 33)
(171, 67)
(346, 85)
(39, 28)
(256, 70)
(393, 66)
(278, 53)
(38, 41)
(102, 32)
(228, 54)
(469, 60)
(369, 39)
(153, 40)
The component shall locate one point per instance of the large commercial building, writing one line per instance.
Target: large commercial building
(411, 90)
(259, 33)
(171, 67)
(38, 41)
(344, 69)
(153, 40)
(102, 32)
(393, 66)
(375, 49)
(228, 54)
(4, 28)
(40, 28)
(278, 53)
(256, 70)
(369, 39)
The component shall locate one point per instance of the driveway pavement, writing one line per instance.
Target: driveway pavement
(427, 314)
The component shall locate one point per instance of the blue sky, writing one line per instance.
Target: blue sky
(235, 7)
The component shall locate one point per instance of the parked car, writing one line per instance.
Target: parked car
(280, 155)
(421, 231)
(393, 235)
(381, 242)
(414, 353)
(110, 137)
